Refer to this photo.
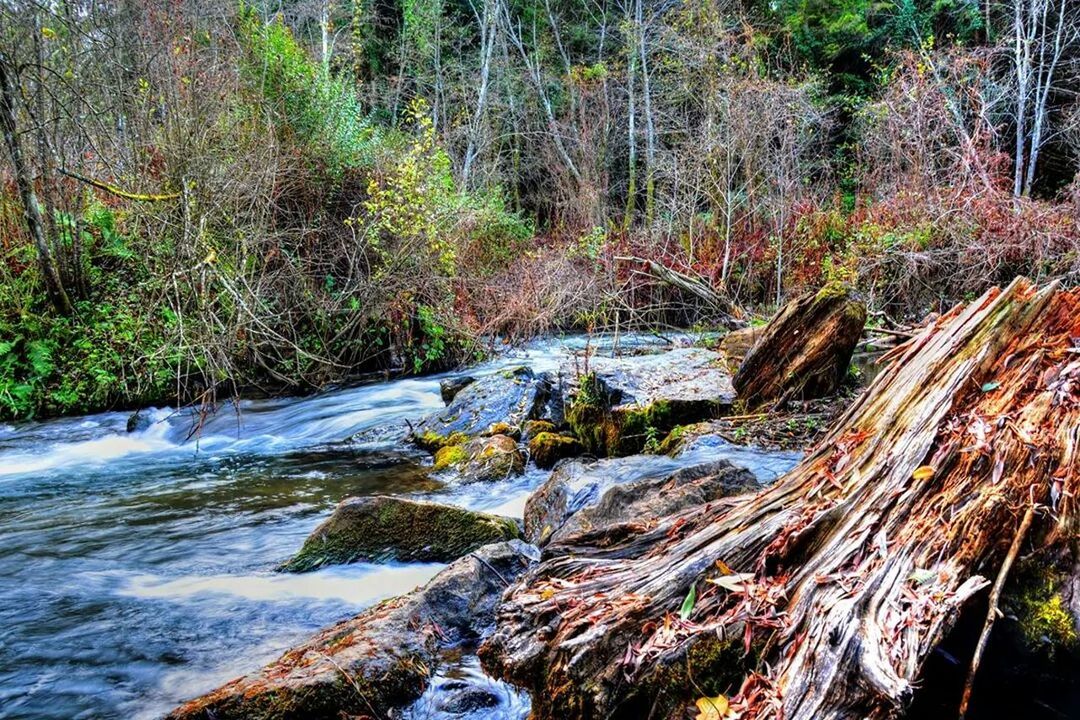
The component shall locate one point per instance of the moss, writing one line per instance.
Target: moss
(432, 441)
(674, 440)
(1044, 618)
(548, 448)
(377, 529)
(503, 428)
(535, 427)
(449, 456)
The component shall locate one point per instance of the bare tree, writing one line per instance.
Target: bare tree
(1043, 31)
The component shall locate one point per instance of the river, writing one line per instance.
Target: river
(137, 569)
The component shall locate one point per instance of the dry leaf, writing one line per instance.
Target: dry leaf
(924, 472)
(734, 583)
(711, 708)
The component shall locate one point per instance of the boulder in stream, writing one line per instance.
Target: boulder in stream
(450, 387)
(502, 401)
(380, 660)
(622, 404)
(485, 459)
(381, 528)
(580, 496)
(548, 448)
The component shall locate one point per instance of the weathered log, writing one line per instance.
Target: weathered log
(804, 351)
(697, 287)
(821, 596)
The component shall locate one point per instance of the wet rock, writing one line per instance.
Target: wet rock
(577, 485)
(462, 698)
(485, 459)
(548, 448)
(624, 405)
(627, 509)
(511, 397)
(382, 528)
(139, 421)
(450, 387)
(380, 660)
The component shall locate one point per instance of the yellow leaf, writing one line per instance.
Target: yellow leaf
(711, 708)
(924, 472)
(211, 258)
(49, 33)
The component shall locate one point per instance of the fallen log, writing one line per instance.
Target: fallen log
(821, 596)
(728, 314)
(804, 351)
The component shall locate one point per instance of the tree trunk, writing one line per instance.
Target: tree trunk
(31, 209)
(805, 350)
(820, 597)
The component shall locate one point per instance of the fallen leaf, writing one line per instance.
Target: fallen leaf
(688, 603)
(924, 472)
(734, 583)
(990, 386)
(712, 708)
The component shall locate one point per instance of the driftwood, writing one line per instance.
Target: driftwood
(820, 597)
(804, 351)
(696, 287)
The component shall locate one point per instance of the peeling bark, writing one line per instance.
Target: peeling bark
(844, 574)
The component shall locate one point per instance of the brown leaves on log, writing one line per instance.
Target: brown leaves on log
(860, 560)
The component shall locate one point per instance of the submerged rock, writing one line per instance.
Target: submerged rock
(580, 495)
(450, 387)
(139, 421)
(625, 404)
(503, 401)
(548, 448)
(382, 528)
(485, 459)
(379, 660)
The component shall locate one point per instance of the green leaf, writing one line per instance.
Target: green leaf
(688, 603)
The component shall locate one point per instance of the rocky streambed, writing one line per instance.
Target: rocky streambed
(142, 569)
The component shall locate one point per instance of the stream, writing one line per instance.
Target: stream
(137, 569)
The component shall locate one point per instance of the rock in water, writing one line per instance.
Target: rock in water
(485, 459)
(450, 387)
(622, 404)
(381, 528)
(506, 399)
(379, 660)
(548, 448)
(580, 496)
(804, 351)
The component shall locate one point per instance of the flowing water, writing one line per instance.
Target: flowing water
(137, 568)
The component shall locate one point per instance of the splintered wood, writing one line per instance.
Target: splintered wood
(834, 583)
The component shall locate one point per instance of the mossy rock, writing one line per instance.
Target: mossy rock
(383, 528)
(532, 428)
(491, 459)
(627, 405)
(433, 442)
(450, 456)
(548, 448)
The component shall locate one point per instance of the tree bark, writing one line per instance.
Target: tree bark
(820, 597)
(805, 350)
(54, 286)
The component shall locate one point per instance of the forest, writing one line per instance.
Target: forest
(207, 198)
